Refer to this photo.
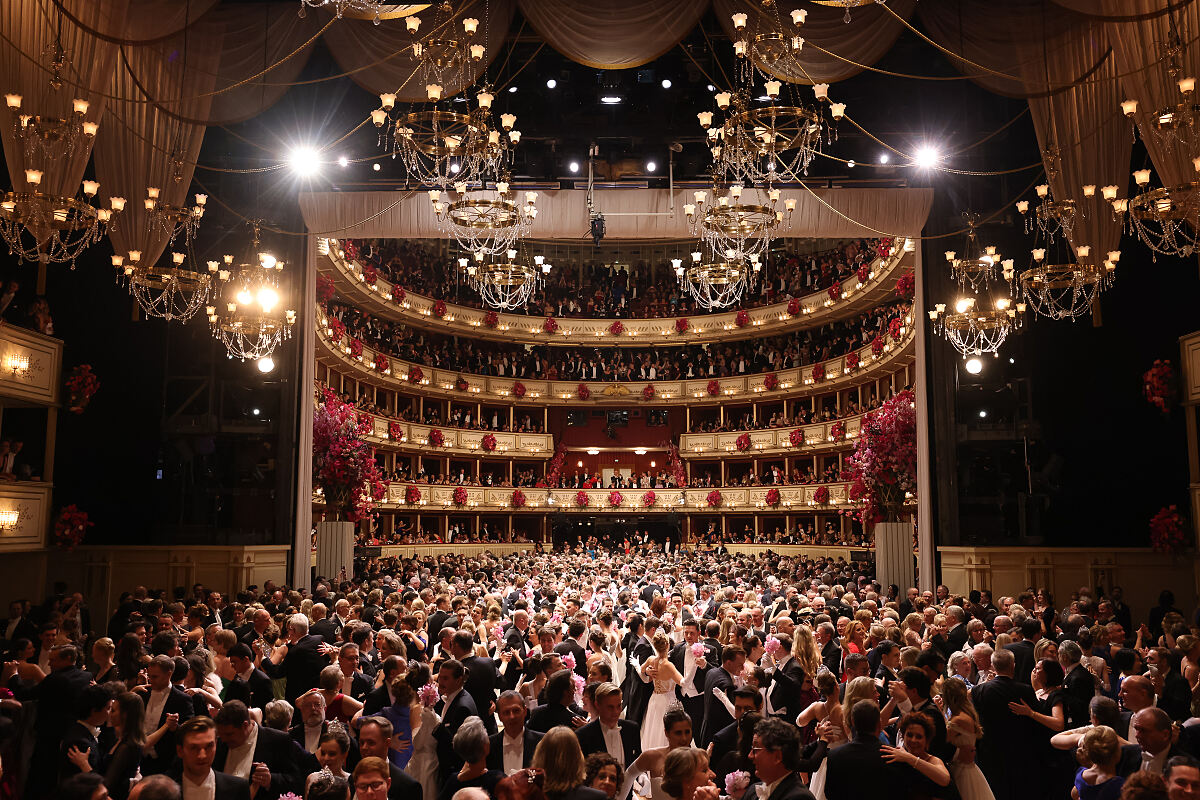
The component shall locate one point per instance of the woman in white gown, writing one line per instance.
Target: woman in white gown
(658, 669)
(834, 726)
(645, 775)
(423, 765)
(962, 731)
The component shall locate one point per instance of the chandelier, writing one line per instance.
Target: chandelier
(717, 282)
(443, 56)
(248, 317)
(51, 228)
(51, 139)
(171, 221)
(1165, 219)
(482, 221)
(504, 284)
(973, 331)
(766, 40)
(847, 4)
(167, 292)
(975, 268)
(1053, 217)
(366, 9)
(1176, 124)
(1064, 290)
(739, 227)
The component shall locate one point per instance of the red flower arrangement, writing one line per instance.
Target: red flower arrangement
(439, 308)
(488, 443)
(518, 499)
(793, 306)
(681, 325)
(370, 275)
(82, 384)
(460, 383)
(713, 388)
(864, 273)
(518, 389)
(436, 438)
(582, 391)
(381, 362)
(615, 498)
(351, 249)
(343, 461)
(883, 466)
(796, 437)
(70, 526)
(325, 289)
(771, 382)
(648, 391)
(394, 431)
(460, 496)
(852, 359)
(772, 497)
(398, 293)
(1159, 385)
(415, 374)
(742, 442)
(741, 318)
(617, 328)
(714, 499)
(367, 421)
(877, 346)
(356, 346)
(821, 495)
(894, 329)
(412, 495)
(835, 292)
(883, 248)
(1168, 532)
(906, 287)
(818, 373)
(550, 325)
(581, 499)
(837, 431)
(337, 330)
(491, 319)
(675, 465)
(648, 499)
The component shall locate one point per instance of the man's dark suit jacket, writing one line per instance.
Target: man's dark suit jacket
(571, 646)
(857, 770)
(636, 691)
(1079, 688)
(716, 716)
(178, 702)
(1023, 652)
(956, 638)
(283, 756)
(255, 692)
(482, 678)
(724, 741)
(831, 657)
(301, 666)
(453, 716)
(495, 759)
(78, 736)
(549, 715)
(786, 683)
(228, 786)
(57, 699)
(1008, 739)
(790, 787)
(591, 739)
(326, 628)
(404, 786)
(1131, 758)
(376, 700)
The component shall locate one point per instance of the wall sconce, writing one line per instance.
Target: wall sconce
(17, 363)
(8, 520)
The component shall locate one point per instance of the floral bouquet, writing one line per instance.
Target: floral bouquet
(518, 389)
(821, 496)
(837, 431)
(326, 290)
(736, 783)
(772, 497)
(568, 660)
(518, 499)
(581, 499)
(882, 470)
(1168, 532)
(648, 499)
(439, 309)
(382, 363)
(70, 526)
(906, 287)
(894, 329)
(429, 695)
(343, 462)
(796, 437)
(1159, 385)
(582, 391)
(681, 325)
(460, 496)
(394, 431)
(415, 375)
(491, 319)
(398, 293)
(579, 683)
(337, 330)
(615, 498)
(864, 273)
(412, 495)
(771, 382)
(82, 384)
(488, 443)
(617, 328)
(818, 372)
(714, 498)
(370, 275)
(699, 650)
(436, 437)
(460, 384)
(356, 348)
(835, 292)
(793, 306)
(713, 388)
(367, 421)
(852, 359)
(648, 391)
(550, 325)
(742, 442)
(741, 318)
(350, 247)
(772, 646)
(877, 346)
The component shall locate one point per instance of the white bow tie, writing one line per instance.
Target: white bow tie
(762, 790)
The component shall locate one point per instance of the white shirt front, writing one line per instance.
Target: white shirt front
(12, 628)
(613, 743)
(514, 753)
(312, 737)
(206, 790)
(240, 760)
(689, 672)
(155, 704)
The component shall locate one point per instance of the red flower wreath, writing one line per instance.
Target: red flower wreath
(412, 495)
(337, 330)
(581, 499)
(491, 319)
(415, 374)
(877, 345)
(864, 273)
(370, 275)
(394, 431)
(518, 499)
(742, 442)
(398, 293)
(460, 383)
(1168, 533)
(617, 328)
(681, 325)
(367, 423)
(583, 392)
(648, 499)
(793, 307)
(518, 389)
(70, 527)
(436, 438)
(852, 360)
(818, 373)
(648, 391)
(821, 495)
(713, 388)
(550, 325)
(772, 497)
(837, 431)
(741, 318)
(894, 329)
(835, 292)
(325, 289)
(460, 496)
(615, 498)
(356, 346)
(81, 385)
(714, 499)
(381, 362)
(906, 287)
(1158, 385)
(771, 382)
(796, 437)
(439, 309)
(488, 443)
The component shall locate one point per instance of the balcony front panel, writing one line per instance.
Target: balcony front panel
(769, 441)
(456, 441)
(30, 502)
(30, 365)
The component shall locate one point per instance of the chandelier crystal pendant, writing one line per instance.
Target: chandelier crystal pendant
(485, 221)
(172, 221)
(1165, 219)
(49, 228)
(507, 283)
(248, 316)
(47, 139)
(1065, 290)
(974, 331)
(168, 292)
(716, 282)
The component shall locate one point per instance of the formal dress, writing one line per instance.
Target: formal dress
(968, 777)
(423, 765)
(653, 734)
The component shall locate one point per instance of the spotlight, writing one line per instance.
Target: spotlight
(550, 84)
(265, 364)
(1012, 361)
(710, 87)
(375, 166)
(974, 366)
(573, 166)
(255, 412)
(343, 161)
(926, 157)
(983, 413)
(304, 161)
(651, 166)
(851, 164)
(454, 168)
(666, 83)
(512, 90)
(610, 99)
(884, 158)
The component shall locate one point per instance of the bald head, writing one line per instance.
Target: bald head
(1137, 693)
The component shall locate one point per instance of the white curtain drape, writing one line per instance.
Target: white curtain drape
(630, 213)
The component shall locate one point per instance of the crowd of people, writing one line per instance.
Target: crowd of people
(611, 290)
(461, 417)
(746, 421)
(727, 359)
(827, 534)
(594, 675)
(456, 533)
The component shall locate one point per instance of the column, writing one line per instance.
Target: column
(928, 571)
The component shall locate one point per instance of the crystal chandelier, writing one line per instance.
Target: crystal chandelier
(1165, 219)
(49, 139)
(1176, 124)
(167, 292)
(736, 225)
(247, 316)
(1052, 217)
(50, 228)
(766, 40)
(848, 4)
(483, 221)
(172, 221)
(972, 331)
(366, 9)
(443, 56)
(1064, 290)
(716, 282)
(975, 268)
(504, 284)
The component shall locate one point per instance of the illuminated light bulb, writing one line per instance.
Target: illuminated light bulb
(689, 210)
(387, 100)
(433, 91)
(150, 203)
(244, 297)
(736, 192)
(515, 136)
(774, 195)
(1120, 206)
(507, 121)
(201, 199)
(1110, 192)
(512, 254)
(1083, 251)
(152, 192)
(412, 23)
(1042, 190)
(177, 258)
(705, 118)
(461, 187)
(531, 197)
(91, 187)
(723, 99)
(1089, 190)
(790, 204)
(212, 266)
(739, 21)
(267, 298)
(470, 25)
(1187, 85)
(1039, 253)
(696, 257)
(135, 255)
(434, 195)
(821, 90)
(79, 106)
(741, 47)
(773, 88)
(33, 177)
(700, 197)
(118, 261)
(964, 304)
(1129, 107)
(837, 110)
(90, 128)
(1114, 256)
(378, 116)
(1141, 177)
(485, 99)
(13, 100)
(267, 260)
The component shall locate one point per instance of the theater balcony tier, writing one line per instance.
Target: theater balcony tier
(450, 384)
(409, 436)
(439, 498)
(817, 437)
(813, 310)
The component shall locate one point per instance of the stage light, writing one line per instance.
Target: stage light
(265, 364)
(610, 99)
(851, 164)
(573, 166)
(983, 413)
(550, 84)
(926, 157)
(710, 87)
(255, 412)
(343, 161)
(512, 90)
(974, 366)
(884, 158)
(1012, 361)
(375, 166)
(651, 166)
(666, 83)
(304, 161)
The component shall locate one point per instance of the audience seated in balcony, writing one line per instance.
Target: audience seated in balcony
(778, 419)
(456, 533)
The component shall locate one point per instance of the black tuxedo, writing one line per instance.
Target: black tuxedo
(716, 716)
(571, 646)
(694, 706)
(283, 756)
(301, 666)
(78, 736)
(1131, 758)
(326, 628)
(549, 715)
(495, 759)
(956, 637)
(376, 700)
(178, 702)
(724, 741)
(637, 691)
(515, 639)
(831, 657)
(1079, 688)
(481, 682)
(404, 786)
(453, 715)
(1023, 653)
(437, 621)
(1009, 739)
(857, 769)
(255, 692)
(786, 683)
(360, 686)
(591, 739)
(790, 787)
(228, 787)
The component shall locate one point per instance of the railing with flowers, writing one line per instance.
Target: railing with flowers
(813, 310)
(458, 440)
(772, 441)
(859, 366)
